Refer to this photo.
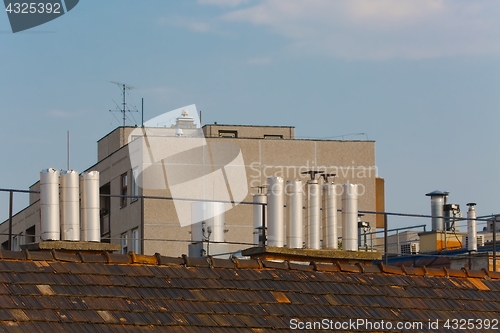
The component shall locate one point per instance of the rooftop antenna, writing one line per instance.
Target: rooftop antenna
(123, 87)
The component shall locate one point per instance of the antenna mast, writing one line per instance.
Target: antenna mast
(123, 87)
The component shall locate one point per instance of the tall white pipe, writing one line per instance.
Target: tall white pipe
(91, 227)
(294, 227)
(257, 217)
(329, 220)
(275, 228)
(313, 224)
(471, 228)
(212, 214)
(350, 217)
(70, 205)
(50, 229)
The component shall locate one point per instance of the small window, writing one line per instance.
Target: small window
(30, 235)
(228, 134)
(124, 243)
(124, 182)
(135, 240)
(135, 186)
(272, 136)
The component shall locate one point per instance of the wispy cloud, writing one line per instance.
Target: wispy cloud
(375, 29)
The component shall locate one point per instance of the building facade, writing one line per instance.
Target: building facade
(142, 219)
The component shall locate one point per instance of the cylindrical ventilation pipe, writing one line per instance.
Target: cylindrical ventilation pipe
(350, 217)
(313, 215)
(471, 228)
(50, 229)
(294, 228)
(91, 227)
(70, 205)
(258, 215)
(437, 203)
(208, 214)
(329, 215)
(275, 226)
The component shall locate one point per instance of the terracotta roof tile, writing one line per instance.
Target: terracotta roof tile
(56, 292)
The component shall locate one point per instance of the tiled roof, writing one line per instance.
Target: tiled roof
(61, 292)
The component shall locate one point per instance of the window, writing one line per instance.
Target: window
(272, 136)
(135, 186)
(228, 134)
(135, 240)
(124, 182)
(124, 243)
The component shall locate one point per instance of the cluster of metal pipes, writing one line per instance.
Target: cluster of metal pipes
(60, 195)
(320, 228)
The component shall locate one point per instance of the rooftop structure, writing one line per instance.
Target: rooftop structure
(139, 220)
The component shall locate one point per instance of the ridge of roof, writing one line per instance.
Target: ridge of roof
(133, 259)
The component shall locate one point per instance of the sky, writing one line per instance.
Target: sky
(420, 77)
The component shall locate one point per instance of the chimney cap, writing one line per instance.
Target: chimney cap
(437, 194)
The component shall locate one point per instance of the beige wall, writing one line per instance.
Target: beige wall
(112, 142)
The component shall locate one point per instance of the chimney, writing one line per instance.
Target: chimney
(437, 202)
(294, 228)
(471, 227)
(276, 228)
(350, 217)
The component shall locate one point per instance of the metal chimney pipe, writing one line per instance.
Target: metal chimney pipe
(276, 228)
(91, 226)
(294, 228)
(329, 216)
(437, 202)
(313, 226)
(212, 213)
(471, 227)
(258, 216)
(50, 229)
(350, 217)
(70, 205)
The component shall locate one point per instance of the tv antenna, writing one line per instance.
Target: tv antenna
(123, 87)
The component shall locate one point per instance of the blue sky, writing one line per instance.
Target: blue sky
(420, 77)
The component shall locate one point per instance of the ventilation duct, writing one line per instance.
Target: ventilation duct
(437, 203)
(210, 222)
(258, 211)
(350, 217)
(329, 215)
(294, 228)
(89, 186)
(50, 228)
(275, 212)
(471, 228)
(70, 206)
